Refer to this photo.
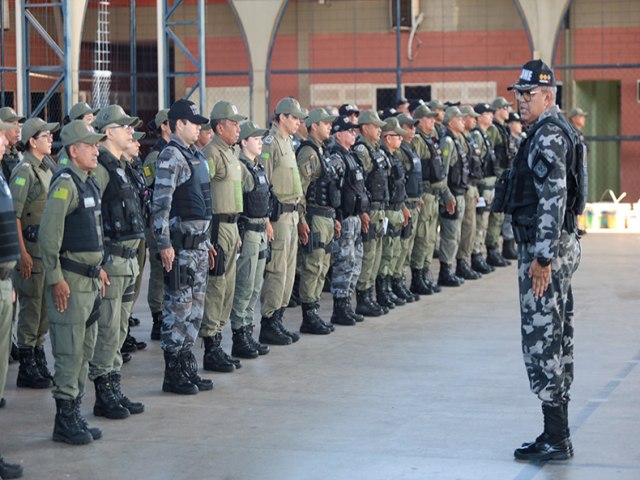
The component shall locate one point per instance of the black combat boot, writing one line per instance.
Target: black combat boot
(464, 270)
(189, 366)
(382, 296)
(67, 428)
(14, 355)
(175, 380)
(242, 346)
(399, 289)
(131, 344)
(270, 332)
(554, 443)
(356, 316)
(311, 321)
(446, 277)
(383, 308)
(107, 403)
(340, 315)
(364, 305)
(329, 325)
(509, 249)
(156, 327)
(261, 348)
(280, 323)
(214, 359)
(9, 470)
(96, 433)
(133, 321)
(495, 259)
(418, 284)
(294, 299)
(479, 265)
(388, 287)
(429, 281)
(29, 375)
(41, 362)
(133, 407)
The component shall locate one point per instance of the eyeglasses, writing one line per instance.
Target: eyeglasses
(47, 135)
(526, 96)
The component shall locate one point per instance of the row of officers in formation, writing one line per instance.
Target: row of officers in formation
(229, 212)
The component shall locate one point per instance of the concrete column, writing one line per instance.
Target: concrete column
(543, 18)
(162, 41)
(76, 10)
(258, 18)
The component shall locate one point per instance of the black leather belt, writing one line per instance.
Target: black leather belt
(124, 252)
(377, 206)
(224, 218)
(321, 212)
(395, 206)
(254, 227)
(411, 205)
(289, 207)
(91, 271)
(188, 241)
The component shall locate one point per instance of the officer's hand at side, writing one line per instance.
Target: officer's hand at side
(420, 204)
(541, 277)
(364, 218)
(270, 235)
(105, 281)
(61, 293)
(26, 264)
(303, 233)
(338, 228)
(212, 258)
(451, 207)
(167, 256)
(406, 215)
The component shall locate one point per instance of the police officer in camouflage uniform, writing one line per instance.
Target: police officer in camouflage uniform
(72, 249)
(80, 111)
(11, 157)
(29, 187)
(546, 191)
(226, 200)
(320, 175)
(279, 160)
(181, 219)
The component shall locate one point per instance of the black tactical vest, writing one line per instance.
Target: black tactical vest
(489, 160)
(9, 246)
(397, 190)
(476, 165)
(377, 179)
(83, 226)
(121, 201)
(325, 190)
(256, 202)
(458, 178)
(192, 199)
(9, 161)
(432, 167)
(504, 156)
(413, 177)
(355, 199)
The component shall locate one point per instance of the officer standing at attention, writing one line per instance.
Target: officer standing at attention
(320, 175)
(439, 128)
(516, 135)
(206, 135)
(578, 119)
(546, 192)
(29, 187)
(279, 160)
(11, 157)
(80, 111)
(347, 251)
(256, 233)
(72, 248)
(376, 168)
(226, 199)
(181, 218)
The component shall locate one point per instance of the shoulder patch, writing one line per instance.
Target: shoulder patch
(65, 175)
(20, 181)
(265, 155)
(268, 139)
(542, 167)
(360, 148)
(147, 171)
(61, 193)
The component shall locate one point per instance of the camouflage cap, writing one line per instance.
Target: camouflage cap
(405, 119)
(577, 111)
(81, 109)
(226, 111)
(451, 113)
(77, 131)
(435, 105)
(392, 125)
(114, 114)
(8, 114)
(290, 106)
(423, 111)
(137, 136)
(319, 115)
(370, 117)
(34, 125)
(468, 111)
(500, 102)
(535, 73)
(161, 117)
(250, 129)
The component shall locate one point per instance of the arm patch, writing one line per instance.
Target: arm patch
(541, 167)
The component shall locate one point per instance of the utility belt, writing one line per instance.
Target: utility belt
(120, 251)
(411, 205)
(393, 232)
(91, 271)
(5, 273)
(278, 209)
(30, 234)
(377, 206)
(289, 207)
(321, 212)
(254, 227)
(314, 243)
(372, 234)
(396, 207)
(187, 241)
(224, 218)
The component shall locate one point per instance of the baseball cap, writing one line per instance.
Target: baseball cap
(572, 113)
(161, 117)
(451, 113)
(6, 126)
(481, 108)
(34, 125)
(514, 117)
(388, 112)
(348, 109)
(81, 109)
(450, 103)
(415, 104)
(226, 110)
(392, 125)
(186, 110)
(424, 111)
(342, 124)
(250, 129)
(468, 111)
(436, 105)
(137, 136)
(404, 119)
(77, 131)
(318, 115)
(114, 114)
(370, 117)
(535, 73)
(290, 106)
(8, 114)
(206, 127)
(500, 102)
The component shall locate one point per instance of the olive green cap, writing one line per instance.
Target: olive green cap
(436, 105)
(77, 131)
(319, 115)
(137, 136)
(468, 111)
(573, 112)
(206, 127)
(250, 129)
(226, 111)
(6, 126)
(392, 125)
(161, 117)
(500, 102)
(34, 125)
(451, 113)
(114, 114)
(81, 109)
(8, 114)
(405, 119)
(370, 117)
(290, 106)
(423, 111)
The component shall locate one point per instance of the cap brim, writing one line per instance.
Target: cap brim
(52, 127)
(521, 87)
(4, 126)
(15, 118)
(259, 132)
(198, 119)
(139, 135)
(90, 139)
(299, 114)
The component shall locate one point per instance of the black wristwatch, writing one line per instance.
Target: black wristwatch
(544, 262)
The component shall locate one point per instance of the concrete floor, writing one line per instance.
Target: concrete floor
(435, 390)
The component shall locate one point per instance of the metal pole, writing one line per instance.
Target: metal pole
(203, 56)
(133, 86)
(22, 103)
(163, 97)
(398, 54)
(2, 92)
(68, 72)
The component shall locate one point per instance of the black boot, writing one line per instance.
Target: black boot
(280, 324)
(189, 366)
(374, 301)
(364, 306)
(399, 301)
(509, 249)
(270, 333)
(261, 348)
(382, 296)
(479, 265)
(464, 270)
(495, 259)
(14, 355)
(294, 299)
(340, 315)
(397, 284)
(96, 433)
(242, 347)
(417, 283)
(28, 373)
(133, 321)
(131, 345)
(9, 470)
(329, 325)
(554, 443)
(311, 321)
(446, 277)
(41, 363)
(156, 327)
(133, 407)
(107, 403)
(356, 316)
(67, 428)
(175, 380)
(214, 359)
(429, 281)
